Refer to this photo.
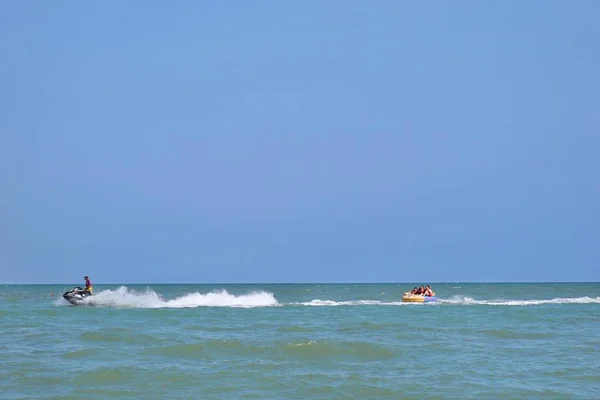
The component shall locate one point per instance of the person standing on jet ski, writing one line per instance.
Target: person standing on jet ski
(88, 285)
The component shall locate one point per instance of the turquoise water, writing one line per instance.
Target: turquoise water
(343, 341)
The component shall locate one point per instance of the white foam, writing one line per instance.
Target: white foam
(572, 300)
(331, 303)
(567, 300)
(459, 300)
(125, 297)
(455, 300)
(224, 299)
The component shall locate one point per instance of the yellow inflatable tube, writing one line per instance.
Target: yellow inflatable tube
(418, 298)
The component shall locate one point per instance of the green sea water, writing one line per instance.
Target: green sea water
(305, 341)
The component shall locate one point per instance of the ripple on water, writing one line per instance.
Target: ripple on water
(367, 326)
(46, 312)
(116, 336)
(67, 397)
(99, 394)
(39, 379)
(328, 349)
(512, 334)
(181, 350)
(364, 391)
(295, 329)
(207, 348)
(107, 376)
(305, 350)
(82, 354)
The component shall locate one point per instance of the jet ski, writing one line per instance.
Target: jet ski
(76, 295)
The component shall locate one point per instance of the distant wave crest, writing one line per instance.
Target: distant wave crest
(125, 297)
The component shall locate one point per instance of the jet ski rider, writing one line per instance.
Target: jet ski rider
(88, 285)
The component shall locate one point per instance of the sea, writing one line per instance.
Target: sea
(301, 341)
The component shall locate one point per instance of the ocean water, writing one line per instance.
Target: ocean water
(304, 341)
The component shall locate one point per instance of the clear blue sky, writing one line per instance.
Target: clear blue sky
(319, 141)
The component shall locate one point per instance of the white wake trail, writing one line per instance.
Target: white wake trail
(125, 297)
(464, 300)
(455, 300)
(331, 303)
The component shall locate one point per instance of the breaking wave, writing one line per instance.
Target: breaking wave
(124, 297)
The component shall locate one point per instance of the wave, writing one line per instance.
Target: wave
(124, 297)
(464, 300)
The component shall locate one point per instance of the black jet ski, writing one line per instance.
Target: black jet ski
(76, 295)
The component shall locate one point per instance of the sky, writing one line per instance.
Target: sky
(315, 141)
